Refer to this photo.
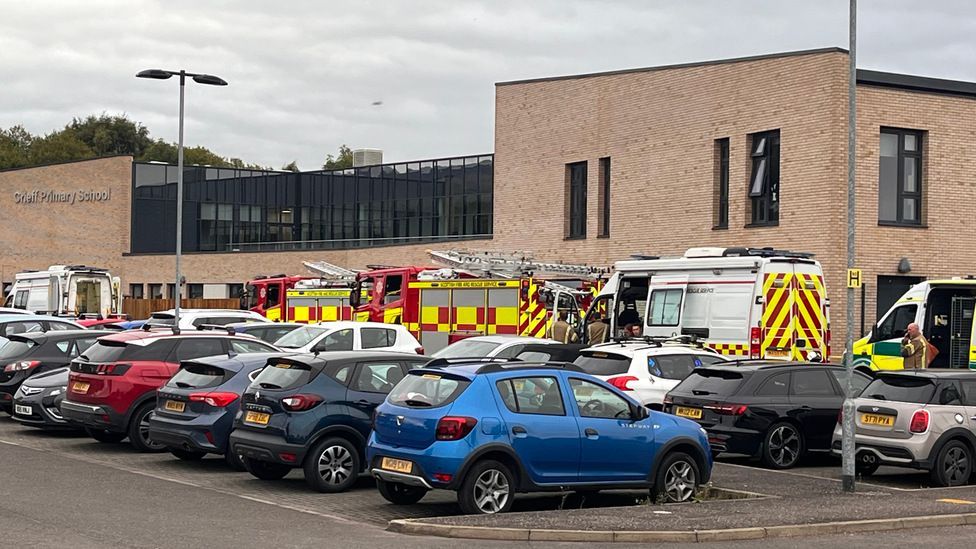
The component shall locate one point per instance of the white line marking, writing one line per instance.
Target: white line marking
(859, 482)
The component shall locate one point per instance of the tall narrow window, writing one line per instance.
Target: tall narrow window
(604, 197)
(721, 183)
(576, 203)
(764, 181)
(900, 177)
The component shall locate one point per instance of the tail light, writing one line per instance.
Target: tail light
(920, 422)
(215, 399)
(21, 366)
(112, 369)
(300, 403)
(728, 409)
(668, 400)
(827, 345)
(455, 428)
(755, 340)
(622, 382)
(525, 289)
(419, 350)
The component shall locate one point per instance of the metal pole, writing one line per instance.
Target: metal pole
(179, 210)
(847, 443)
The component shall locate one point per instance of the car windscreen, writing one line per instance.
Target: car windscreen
(466, 348)
(198, 376)
(918, 390)
(283, 375)
(300, 337)
(427, 390)
(597, 363)
(104, 351)
(716, 382)
(16, 348)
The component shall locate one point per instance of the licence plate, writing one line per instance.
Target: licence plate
(23, 410)
(877, 419)
(692, 413)
(174, 406)
(778, 353)
(398, 465)
(258, 418)
(80, 387)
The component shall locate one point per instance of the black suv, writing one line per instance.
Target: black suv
(315, 412)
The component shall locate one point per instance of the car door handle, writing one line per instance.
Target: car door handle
(519, 430)
(591, 433)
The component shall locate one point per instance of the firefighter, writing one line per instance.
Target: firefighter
(914, 348)
(562, 331)
(596, 330)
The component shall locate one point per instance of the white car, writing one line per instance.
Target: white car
(646, 369)
(350, 336)
(501, 346)
(196, 319)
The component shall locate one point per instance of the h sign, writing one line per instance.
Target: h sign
(853, 278)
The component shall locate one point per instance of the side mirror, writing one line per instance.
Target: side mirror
(874, 333)
(639, 413)
(355, 297)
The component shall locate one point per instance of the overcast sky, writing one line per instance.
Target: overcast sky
(412, 77)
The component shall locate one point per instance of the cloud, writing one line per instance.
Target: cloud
(304, 75)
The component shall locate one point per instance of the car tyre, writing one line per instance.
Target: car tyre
(332, 465)
(782, 447)
(187, 455)
(488, 488)
(400, 494)
(139, 430)
(676, 480)
(234, 461)
(107, 437)
(954, 464)
(265, 470)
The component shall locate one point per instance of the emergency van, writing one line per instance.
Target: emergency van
(943, 309)
(742, 302)
(69, 290)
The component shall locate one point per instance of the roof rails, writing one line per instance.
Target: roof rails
(229, 329)
(518, 365)
(765, 252)
(659, 341)
(470, 360)
(147, 327)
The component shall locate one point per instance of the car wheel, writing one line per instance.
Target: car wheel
(488, 488)
(954, 465)
(400, 494)
(234, 461)
(782, 447)
(187, 455)
(332, 465)
(676, 479)
(265, 470)
(139, 430)
(105, 436)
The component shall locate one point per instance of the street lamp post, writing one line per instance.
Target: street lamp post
(211, 80)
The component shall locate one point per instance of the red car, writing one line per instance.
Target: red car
(112, 385)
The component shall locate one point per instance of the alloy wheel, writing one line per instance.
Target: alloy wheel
(679, 482)
(335, 465)
(144, 432)
(784, 445)
(491, 491)
(956, 466)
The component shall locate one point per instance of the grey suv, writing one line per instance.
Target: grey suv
(923, 419)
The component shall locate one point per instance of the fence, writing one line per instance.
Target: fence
(142, 308)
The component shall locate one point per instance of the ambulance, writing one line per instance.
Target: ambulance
(67, 290)
(742, 302)
(943, 309)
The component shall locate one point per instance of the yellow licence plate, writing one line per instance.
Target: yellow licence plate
(257, 417)
(778, 353)
(80, 387)
(877, 419)
(174, 406)
(693, 413)
(398, 465)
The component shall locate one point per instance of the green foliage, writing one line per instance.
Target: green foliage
(58, 147)
(15, 146)
(291, 167)
(343, 161)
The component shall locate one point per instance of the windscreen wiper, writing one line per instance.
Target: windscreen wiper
(269, 386)
(700, 392)
(418, 403)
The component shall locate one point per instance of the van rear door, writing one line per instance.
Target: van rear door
(810, 321)
(794, 322)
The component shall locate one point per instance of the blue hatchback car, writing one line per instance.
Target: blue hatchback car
(489, 430)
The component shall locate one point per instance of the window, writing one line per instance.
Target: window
(597, 363)
(427, 390)
(63, 346)
(812, 383)
(508, 352)
(671, 366)
(171, 291)
(604, 198)
(135, 291)
(55, 325)
(198, 376)
(243, 346)
(900, 177)
(532, 395)
(23, 328)
(377, 378)
(969, 392)
(598, 402)
(194, 291)
(764, 181)
(576, 203)
(20, 299)
(777, 385)
(665, 308)
(894, 325)
(949, 394)
(901, 389)
(375, 338)
(234, 291)
(155, 291)
(196, 347)
(860, 381)
(336, 341)
(721, 183)
(393, 286)
(274, 296)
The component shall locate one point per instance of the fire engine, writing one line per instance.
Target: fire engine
(266, 294)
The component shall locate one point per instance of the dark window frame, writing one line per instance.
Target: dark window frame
(763, 188)
(900, 193)
(721, 183)
(604, 221)
(576, 200)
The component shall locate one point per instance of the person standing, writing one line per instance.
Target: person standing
(562, 331)
(914, 348)
(596, 330)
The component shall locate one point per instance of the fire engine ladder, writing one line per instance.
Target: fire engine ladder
(329, 271)
(509, 265)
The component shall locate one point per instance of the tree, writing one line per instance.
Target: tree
(291, 167)
(15, 146)
(110, 135)
(343, 161)
(58, 147)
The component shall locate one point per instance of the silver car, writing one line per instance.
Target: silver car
(924, 419)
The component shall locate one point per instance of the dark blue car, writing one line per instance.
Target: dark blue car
(195, 410)
(489, 431)
(315, 412)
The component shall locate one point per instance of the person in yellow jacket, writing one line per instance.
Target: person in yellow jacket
(914, 348)
(562, 331)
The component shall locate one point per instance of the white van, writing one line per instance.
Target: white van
(743, 302)
(66, 290)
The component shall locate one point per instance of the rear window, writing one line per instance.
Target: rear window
(161, 320)
(918, 390)
(283, 375)
(198, 376)
(671, 366)
(300, 337)
(603, 364)
(103, 351)
(427, 390)
(466, 348)
(710, 382)
(16, 348)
